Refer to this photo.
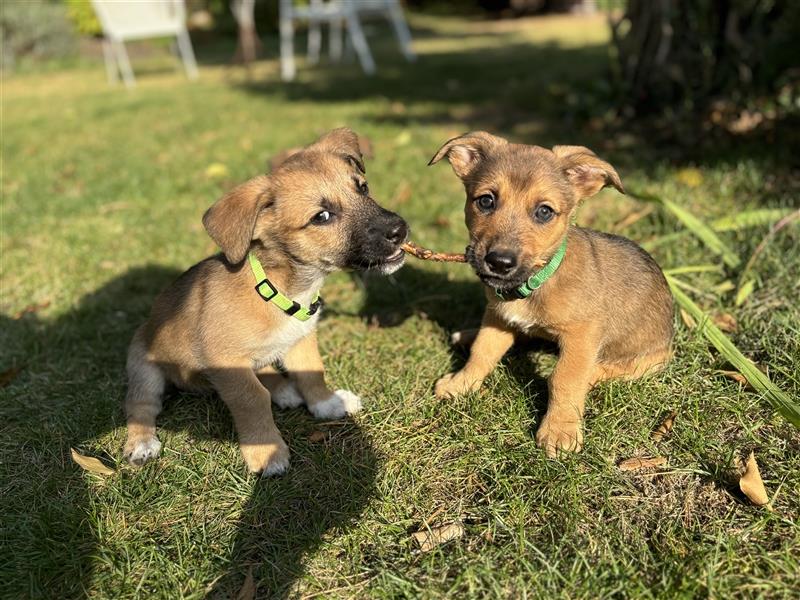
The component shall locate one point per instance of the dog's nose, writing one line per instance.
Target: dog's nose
(396, 233)
(500, 262)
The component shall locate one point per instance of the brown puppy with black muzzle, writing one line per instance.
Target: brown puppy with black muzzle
(601, 297)
(227, 321)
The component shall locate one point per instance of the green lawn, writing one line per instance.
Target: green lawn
(103, 190)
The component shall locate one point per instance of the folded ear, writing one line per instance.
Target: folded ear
(587, 173)
(467, 151)
(343, 141)
(231, 220)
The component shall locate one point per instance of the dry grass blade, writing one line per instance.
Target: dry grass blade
(779, 400)
(697, 227)
(665, 427)
(788, 219)
(688, 320)
(633, 464)
(744, 291)
(248, 589)
(735, 376)
(436, 536)
(91, 464)
(752, 485)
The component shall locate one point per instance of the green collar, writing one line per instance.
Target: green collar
(536, 280)
(270, 293)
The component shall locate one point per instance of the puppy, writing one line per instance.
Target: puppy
(227, 321)
(601, 297)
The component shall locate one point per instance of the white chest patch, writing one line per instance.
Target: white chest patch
(278, 341)
(516, 316)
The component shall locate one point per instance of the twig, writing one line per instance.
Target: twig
(426, 254)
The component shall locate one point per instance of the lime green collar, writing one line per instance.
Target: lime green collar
(536, 280)
(270, 293)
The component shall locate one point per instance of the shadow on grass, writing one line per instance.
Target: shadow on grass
(69, 393)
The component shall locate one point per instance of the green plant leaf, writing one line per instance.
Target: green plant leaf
(779, 400)
(703, 232)
(750, 218)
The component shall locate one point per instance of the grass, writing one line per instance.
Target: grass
(103, 191)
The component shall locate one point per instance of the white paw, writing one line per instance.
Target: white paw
(287, 396)
(277, 466)
(340, 403)
(143, 450)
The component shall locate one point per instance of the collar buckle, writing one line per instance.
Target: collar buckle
(272, 290)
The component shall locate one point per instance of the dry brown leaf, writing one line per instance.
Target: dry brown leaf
(665, 427)
(9, 375)
(736, 376)
(31, 308)
(436, 536)
(316, 436)
(91, 464)
(442, 221)
(726, 322)
(633, 217)
(403, 193)
(752, 485)
(688, 319)
(248, 589)
(632, 464)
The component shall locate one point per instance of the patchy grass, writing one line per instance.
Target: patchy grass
(103, 190)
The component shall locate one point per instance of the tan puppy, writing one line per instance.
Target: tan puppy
(212, 328)
(606, 304)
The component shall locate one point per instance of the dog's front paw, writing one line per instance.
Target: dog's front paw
(555, 435)
(287, 396)
(454, 384)
(141, 449)
(337, 405)
(268, 459)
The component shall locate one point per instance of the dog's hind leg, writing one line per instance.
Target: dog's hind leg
(142, 404)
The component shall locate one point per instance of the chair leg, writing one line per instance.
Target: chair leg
(314, 33)
(187, 54)
(112, 71)
(360, 43)
(124, 63)
(287, 42)
(335, 39)
(398, 21)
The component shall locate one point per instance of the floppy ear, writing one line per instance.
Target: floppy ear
(465, 152)
(231, 220)
(343, 141)
(587, 173)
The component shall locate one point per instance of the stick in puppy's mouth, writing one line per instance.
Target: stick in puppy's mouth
(427, 254)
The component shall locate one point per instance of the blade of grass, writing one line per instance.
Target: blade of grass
(779, 400)
(697, 227)
(750, 218)
(692, 269)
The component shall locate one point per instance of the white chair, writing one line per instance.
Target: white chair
(124, 20)
(337, 13)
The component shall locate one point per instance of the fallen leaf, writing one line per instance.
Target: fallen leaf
(402, 194)
(736, 376)
(248, 589)
(665, 427)
(90, 463)
(442, 221)
(316, 436)
(31, 308)
(436, 536)
(9, 375)
(726, 322)
(216, 171)
(688, 319)
(752, 485)
(690, 177)
(632, 464)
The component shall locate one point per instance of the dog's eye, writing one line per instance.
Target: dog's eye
(543, 213)
(322, 217)
(485, 202)
(363, 188)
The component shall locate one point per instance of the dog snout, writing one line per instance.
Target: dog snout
(500, 262)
